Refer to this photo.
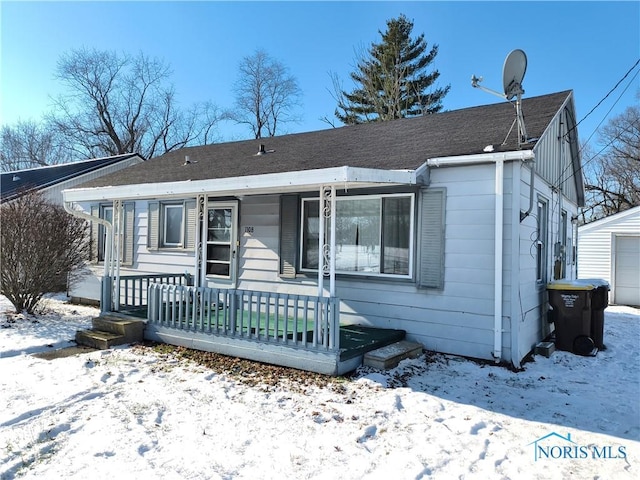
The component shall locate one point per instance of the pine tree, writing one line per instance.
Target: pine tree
(392, 79)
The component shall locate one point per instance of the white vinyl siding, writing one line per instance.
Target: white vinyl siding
(555, 162)
(598, 244)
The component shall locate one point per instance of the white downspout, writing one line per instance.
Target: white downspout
(499, 227)
(105, 224)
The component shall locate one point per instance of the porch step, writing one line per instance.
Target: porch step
(391, 355)
(98, 339)
(108, 331)
(131, 330)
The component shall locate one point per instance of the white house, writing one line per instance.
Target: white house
(445, 227)
(610, 249)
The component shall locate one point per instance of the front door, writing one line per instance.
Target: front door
(220, 244)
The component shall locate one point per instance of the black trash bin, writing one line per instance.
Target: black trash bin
(599, 302)
(571, 312)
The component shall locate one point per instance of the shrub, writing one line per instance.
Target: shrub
(42, 249)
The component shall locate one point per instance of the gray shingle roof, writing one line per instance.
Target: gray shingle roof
(11, 183)
(397, 145)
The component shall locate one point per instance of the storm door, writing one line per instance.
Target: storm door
(220, 245)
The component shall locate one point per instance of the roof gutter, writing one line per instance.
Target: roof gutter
(498, 159)
(252, 184)
(522, 155)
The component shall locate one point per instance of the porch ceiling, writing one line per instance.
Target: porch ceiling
(306, 180)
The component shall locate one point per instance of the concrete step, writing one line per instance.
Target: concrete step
(391, 355)
(99, 339)
(131, 330)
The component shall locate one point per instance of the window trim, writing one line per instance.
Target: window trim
(542, 246)
(379, 196)
(163, 223)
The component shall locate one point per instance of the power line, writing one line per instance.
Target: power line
(607, 95)
(567, 135)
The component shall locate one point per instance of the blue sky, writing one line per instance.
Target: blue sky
(584, 46)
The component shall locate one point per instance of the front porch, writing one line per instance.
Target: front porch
(297, 331)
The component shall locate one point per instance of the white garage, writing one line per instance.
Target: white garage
(610, 249)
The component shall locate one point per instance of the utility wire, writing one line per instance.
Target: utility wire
(566, 135)
(608, 112)
(605, 97)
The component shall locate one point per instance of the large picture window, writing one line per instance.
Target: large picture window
(374, 234)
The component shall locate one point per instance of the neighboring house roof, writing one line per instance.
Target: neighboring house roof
(616, 217)
(403, 144)
(12, 183)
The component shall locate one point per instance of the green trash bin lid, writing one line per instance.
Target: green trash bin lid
(570, 285)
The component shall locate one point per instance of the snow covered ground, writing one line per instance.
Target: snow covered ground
(139, 413)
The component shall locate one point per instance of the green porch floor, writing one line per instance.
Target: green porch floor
(355, 340)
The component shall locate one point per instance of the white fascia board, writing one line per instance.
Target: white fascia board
(616, 217)
(248, 185)
(522, 155)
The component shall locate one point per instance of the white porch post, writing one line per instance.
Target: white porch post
(117, 237)
(332, 245)
(326, 244)
(201, 232)
(321, 243)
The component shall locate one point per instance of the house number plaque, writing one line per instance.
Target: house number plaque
(248, 230)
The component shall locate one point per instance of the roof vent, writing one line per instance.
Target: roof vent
(263, 150)
(16, 178)
(187, 161)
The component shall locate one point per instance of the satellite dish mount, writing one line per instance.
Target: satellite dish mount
(515, 66)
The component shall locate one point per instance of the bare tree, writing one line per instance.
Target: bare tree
(30, 144)
(121, 104)
(613, 175)
(42, 248)
(266, 95)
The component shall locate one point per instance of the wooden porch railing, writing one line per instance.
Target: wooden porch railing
(298, 320)
(133, 288)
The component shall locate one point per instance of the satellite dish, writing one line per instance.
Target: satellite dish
(515, 66)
